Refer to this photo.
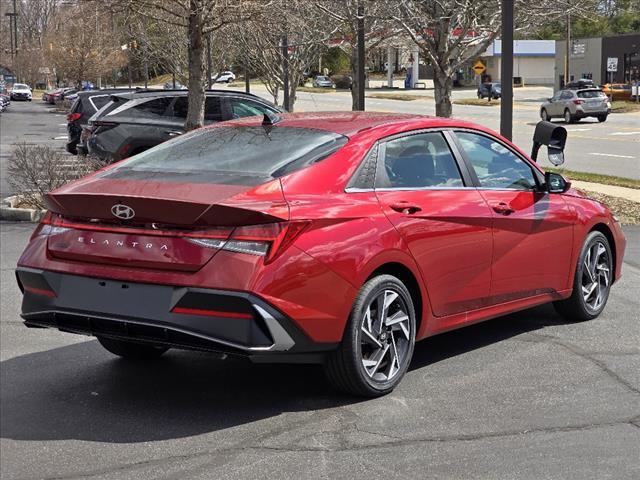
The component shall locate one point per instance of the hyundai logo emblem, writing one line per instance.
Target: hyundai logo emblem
(123, 212)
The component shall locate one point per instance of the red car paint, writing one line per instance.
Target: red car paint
(469, 259)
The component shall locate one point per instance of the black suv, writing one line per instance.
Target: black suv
(134, 122)
(82, 109)
(490, 91)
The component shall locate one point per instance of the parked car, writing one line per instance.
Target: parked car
(331, 238)
(224, 77)
(492, 91)
(170, 86)
(86, 105)
(617, 91)
(342, 81)
(21, 91)
(134, 122)
(59, 99)
(322, 81)
(572, 105)
(580, 84)
(53, 97)
(5, 101)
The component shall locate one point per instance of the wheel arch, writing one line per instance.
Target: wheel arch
(406, 276)
(606, 231)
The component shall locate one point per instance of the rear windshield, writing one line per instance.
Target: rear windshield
(235, 155)
(591, 94)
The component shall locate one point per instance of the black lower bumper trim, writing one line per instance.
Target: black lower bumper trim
(143, 313)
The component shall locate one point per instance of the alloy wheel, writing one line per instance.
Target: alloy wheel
(596, 276)
(385, 336)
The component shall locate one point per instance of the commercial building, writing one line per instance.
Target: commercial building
(589, 58)
(533, 61)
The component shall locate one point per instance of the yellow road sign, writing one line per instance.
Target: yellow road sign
(479, 67)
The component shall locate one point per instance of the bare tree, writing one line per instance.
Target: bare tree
(198, 18)
(307, 31)
(343, 14)
(450, 33)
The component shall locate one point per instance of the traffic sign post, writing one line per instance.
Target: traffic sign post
(612, 67)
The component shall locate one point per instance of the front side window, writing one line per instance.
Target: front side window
(495, 165)
(418, 161)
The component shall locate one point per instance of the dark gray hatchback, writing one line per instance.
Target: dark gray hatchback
(133, 122)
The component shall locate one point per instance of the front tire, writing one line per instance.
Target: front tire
(602, 118)
(131, 350)
(378, 341)
(544, 115)
(592, 281)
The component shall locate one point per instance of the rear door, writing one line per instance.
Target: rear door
(444, 221)
(532, 229)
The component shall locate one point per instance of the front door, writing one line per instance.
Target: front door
(532, 229)
(445, 224)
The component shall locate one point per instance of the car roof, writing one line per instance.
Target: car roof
(351, 123)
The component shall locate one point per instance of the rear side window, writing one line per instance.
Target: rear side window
(418, 161)
(212, 108)
(151, 108)
(100, 101)
(235, 155)
(247, 108)
(591, 94)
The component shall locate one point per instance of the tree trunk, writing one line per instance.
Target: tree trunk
(354, 76)
(443, 84)
(293, 88)
(195, 112)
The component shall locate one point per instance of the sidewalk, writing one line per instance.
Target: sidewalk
(631, 194)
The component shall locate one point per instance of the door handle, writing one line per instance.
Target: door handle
(405, 208)
(502, 208)
(173, 133)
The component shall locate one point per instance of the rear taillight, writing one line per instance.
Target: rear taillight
(48, 227)
(578, 101)
(268, 240)
(72, 117)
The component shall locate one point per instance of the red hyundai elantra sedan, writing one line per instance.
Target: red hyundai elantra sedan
(339, 238)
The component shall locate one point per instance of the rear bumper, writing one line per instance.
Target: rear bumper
(182, 317)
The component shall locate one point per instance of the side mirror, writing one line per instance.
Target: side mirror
(556, 183)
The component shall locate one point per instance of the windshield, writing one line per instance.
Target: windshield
(20, 86)
(236, 155)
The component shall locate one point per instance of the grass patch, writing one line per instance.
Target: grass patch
(399, 96)
(622, 106)
(597, 178)
(315, 90)
(627, 211)
(477, 102)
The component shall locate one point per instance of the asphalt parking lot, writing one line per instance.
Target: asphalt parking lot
(527, 396)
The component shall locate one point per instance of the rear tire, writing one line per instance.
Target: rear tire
(378, 341)
(592, 281)
(568, 118)
(602, 118)
(131, 350)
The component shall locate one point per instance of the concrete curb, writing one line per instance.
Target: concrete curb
(10, 213)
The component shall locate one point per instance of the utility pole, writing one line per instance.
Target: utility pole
(506, 67)
(209, 81)
(567, 52)
(285, 70)
(247, 84)
(360, 100)
(15, 26)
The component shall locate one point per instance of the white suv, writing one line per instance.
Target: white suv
(20, 91)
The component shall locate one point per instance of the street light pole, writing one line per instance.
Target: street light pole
(361, 54)
(506, 67)
(567, 52)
